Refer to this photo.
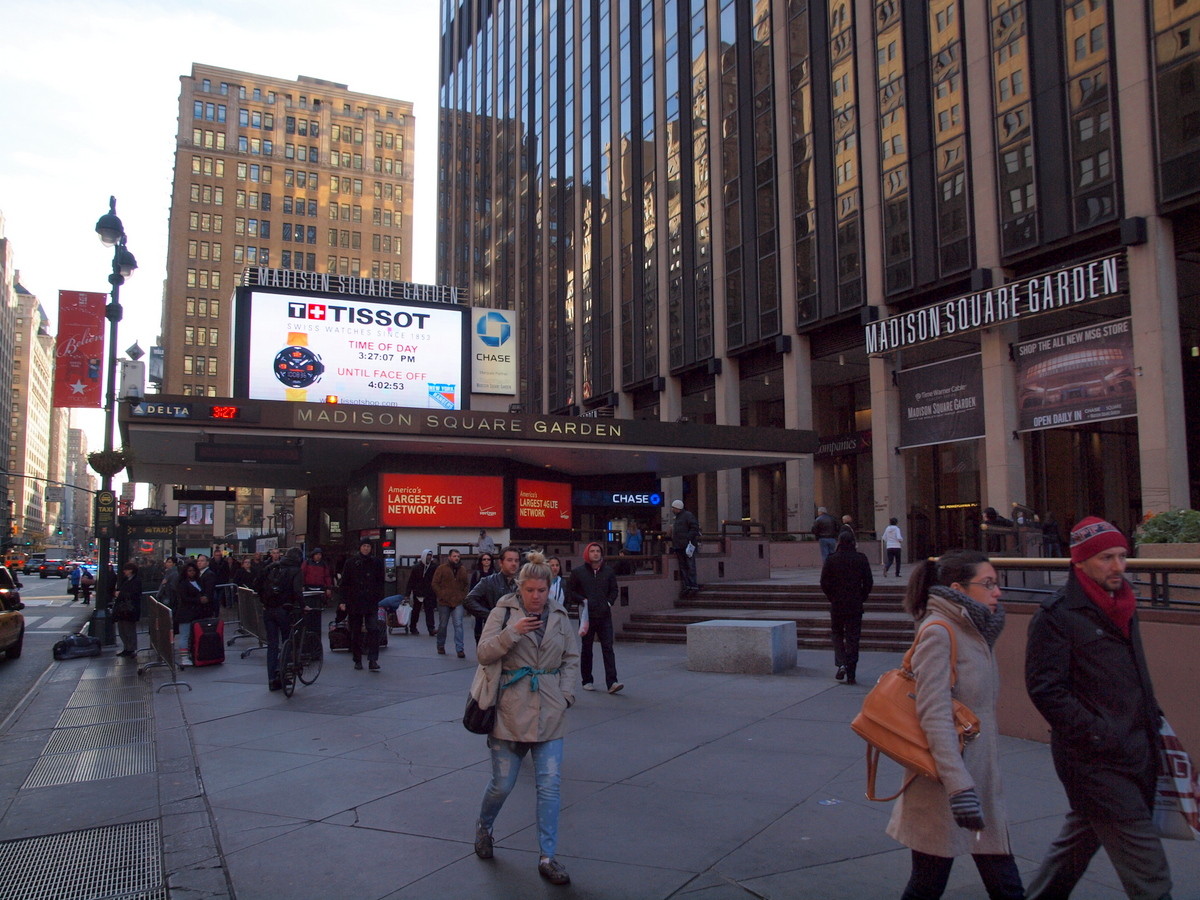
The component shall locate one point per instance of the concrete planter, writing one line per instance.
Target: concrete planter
(1175, 551)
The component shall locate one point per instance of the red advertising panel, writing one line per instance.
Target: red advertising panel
(79, 356)
(543, 504)
(411, 501)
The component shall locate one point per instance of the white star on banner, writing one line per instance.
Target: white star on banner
(78, 387)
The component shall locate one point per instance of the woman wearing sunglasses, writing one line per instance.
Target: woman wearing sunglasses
(963, 811)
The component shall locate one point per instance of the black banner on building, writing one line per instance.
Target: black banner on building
(942, 402)
(1085, 375)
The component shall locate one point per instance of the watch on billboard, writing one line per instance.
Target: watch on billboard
(350, 350)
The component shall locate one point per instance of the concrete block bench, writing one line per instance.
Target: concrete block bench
(741, 646)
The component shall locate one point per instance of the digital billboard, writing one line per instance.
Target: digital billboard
(543, 504)
(453, 501)
(363, 351)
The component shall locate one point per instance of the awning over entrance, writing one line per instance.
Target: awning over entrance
(195, 440)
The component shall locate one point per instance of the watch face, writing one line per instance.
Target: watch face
(298, 367)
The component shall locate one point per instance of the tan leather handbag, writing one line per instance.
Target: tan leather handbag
(888, 721)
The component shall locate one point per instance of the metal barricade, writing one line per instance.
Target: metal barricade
(226, 595)
(250, 621)
(161, 631)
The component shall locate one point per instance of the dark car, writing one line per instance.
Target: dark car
(12, 623)
(32, 561)
(58, 566)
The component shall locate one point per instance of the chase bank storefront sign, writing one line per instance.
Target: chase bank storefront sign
(494, 351)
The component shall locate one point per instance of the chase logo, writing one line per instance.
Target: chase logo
(494, 329)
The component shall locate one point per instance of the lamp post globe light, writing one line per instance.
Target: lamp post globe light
(112, 234)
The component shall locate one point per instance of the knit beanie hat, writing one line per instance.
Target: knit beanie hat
(676, 504)
(1091, 536)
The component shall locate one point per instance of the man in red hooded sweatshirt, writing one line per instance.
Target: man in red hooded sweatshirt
(1085, 670)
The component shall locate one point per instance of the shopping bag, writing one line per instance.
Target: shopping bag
(1177, 795)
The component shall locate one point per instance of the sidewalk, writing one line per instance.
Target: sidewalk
(364, 785)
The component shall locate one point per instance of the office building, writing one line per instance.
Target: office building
(968, 260)
(305, 175)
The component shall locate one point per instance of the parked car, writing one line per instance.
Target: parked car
(32, 561)
(12, 623)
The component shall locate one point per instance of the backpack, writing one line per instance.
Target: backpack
(278, 586)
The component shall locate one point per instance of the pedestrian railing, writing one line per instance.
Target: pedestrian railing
(1161, 583)
(161, 630)
(250, 621)
(226, 595)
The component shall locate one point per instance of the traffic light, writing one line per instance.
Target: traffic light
(59, 531)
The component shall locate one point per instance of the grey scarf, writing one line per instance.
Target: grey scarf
(987, 623)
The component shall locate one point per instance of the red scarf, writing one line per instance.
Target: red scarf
(1118, 607)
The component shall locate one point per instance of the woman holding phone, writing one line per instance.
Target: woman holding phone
(532, 638)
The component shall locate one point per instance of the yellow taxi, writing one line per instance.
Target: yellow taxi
(12, 623)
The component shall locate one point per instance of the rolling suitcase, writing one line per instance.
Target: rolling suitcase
(208, 642)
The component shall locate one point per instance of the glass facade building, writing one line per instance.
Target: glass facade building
(710, 210)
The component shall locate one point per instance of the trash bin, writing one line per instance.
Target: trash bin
(101, 626)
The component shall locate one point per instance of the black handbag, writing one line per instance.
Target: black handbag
(479, 721)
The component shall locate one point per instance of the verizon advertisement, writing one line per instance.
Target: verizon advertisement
(79, 350)
(412, 501)
(362, 351)
(543, 504)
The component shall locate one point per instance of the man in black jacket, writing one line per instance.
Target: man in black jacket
(594, 586)
(847, 582)
(420, 588)
(1086, 672)
(281, 591)
(481, 599)
(362, 589)
(685, 541)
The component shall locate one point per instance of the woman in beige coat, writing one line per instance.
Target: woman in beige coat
(530, 639)
(962, 812)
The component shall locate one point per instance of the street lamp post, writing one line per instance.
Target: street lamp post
(112, 234)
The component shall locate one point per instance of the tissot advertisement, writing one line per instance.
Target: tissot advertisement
(941, 402)
(1077, 376)
(357, 350)
(543, 504)
(453, 501)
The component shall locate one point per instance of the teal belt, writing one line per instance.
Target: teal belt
(515, 675)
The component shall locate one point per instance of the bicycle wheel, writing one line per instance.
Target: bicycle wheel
(312, 658)
(287, 667)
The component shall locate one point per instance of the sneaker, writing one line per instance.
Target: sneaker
(461, 655)
(840, 674)
(483, 841)
(373, 665)
(589, 686)
(616, 687)
(185, 660)
(553, 871)
(442, 650)
(358, 664)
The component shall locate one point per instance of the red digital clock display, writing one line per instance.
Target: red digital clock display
(224, 412)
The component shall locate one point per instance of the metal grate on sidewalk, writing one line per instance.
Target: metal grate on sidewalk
(114, 862)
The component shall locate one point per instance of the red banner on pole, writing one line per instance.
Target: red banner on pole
(79, 357)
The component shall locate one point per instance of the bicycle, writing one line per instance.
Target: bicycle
(301, 655)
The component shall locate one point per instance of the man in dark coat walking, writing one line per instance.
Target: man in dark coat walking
(362, 589)
(847, 582)
(685, 541)
(420, 588)
(594, 586)
(1086, 672)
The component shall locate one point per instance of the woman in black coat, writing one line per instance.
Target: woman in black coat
(847, 582)
(127, 608)
(191, 605)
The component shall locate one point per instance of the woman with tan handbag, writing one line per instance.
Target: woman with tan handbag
(963, 811)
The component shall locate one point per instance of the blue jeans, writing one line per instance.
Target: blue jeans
(828, 545)
(547, 773)
(445, 614)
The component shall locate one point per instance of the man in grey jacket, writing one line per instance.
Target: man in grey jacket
(685, 541)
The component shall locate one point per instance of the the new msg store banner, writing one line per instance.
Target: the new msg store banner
(941, 402)
(1084, 375)
(358, 350)
(458, 501)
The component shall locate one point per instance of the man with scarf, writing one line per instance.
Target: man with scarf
(1086, 673)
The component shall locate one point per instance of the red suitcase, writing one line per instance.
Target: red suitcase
(208, 642)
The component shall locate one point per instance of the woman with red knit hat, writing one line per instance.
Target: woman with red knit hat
(1086, 672)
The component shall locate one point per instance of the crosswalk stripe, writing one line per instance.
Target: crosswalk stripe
(49, 623)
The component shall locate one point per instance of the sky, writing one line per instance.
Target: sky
(89, 101)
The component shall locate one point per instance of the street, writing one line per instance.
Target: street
(49, 614)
